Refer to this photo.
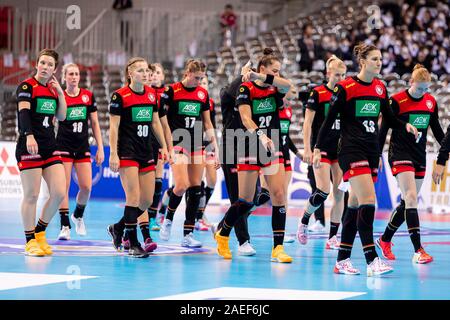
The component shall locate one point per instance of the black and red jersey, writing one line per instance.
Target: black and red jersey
(212, 109)
(73, 131)
(421, 113)
(359, 104)
(319, 101)
(184, 106)
(136, 111)
(43, 104)
(159, 91)
(264, 103)
(285, 115)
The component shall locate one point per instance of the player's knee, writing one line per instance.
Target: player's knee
(278, 195)
(411, 199)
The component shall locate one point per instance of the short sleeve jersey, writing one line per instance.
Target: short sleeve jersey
(73, 131)
(421, 113)
(319, 101)
(359, 104)
(43, 105)
(264, 103)
(136, 111)
(184, 106)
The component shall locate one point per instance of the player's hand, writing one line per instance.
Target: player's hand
(99, 156)
(114, 162)
(250, 76)
(308, 156)
(438, 173)
(164, 154)
(267, 143)
(411, 129)
(53, 83)
(316, 158)
(32, 146)
(171, 156)
(245, 69)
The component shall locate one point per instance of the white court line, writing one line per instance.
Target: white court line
(10, 280)
(230, 293)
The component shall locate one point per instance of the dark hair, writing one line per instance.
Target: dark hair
(266, 59)
(49, 52)
(362, 50)
(193, 65)
(228, 6)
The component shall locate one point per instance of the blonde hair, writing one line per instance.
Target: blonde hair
(420, 74)
(130, 64)
(64, 70)
(334, 63)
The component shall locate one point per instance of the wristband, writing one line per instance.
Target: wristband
(259, 132)
(269, 79)
(25, 122)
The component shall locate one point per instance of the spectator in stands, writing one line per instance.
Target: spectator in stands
(308, 49)
(228, 24)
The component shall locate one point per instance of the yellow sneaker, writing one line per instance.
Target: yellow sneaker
(32, 249)
(42, 241)
(223, 248)
(278, 255)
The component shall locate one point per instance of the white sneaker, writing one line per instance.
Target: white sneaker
(246, 249)
(214, 230)
(190, 242)
(289, 239)
(164, 232)
(316, 227)
(345, 267)
(80, 228)
(378, 267)
(302, 233)
(332, 243)
(64, 234)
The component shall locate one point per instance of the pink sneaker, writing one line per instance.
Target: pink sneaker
(149, 245)
(201, 226)
(345, 267)
(302, 233)
(378, 267)
(332, 243)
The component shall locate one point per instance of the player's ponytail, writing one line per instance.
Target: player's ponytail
(267, 58)
(420, 74)
(362, 50)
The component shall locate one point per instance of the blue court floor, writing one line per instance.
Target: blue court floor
(89, 268)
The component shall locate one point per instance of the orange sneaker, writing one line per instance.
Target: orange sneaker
(385, 248)
(42, 241)
(422, 257)
(223, 248)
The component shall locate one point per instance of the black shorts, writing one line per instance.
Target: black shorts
(76, 156)
(329, 156)
(253, 156)
(144, 165)
(156, 148)
(45, 158)
(188, 148)
(287, 159)
(358, 163)
(404, 163)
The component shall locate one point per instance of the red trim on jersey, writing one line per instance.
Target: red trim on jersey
(130, 98)
(67, 160)
(427, 103)
(288, 168)
(285, 113)
(354, 89)
(148, 169)
(247, 167)
(356, 172)
(323, 93)
(84, 97)
(40, 90)
(211, 105)
(129, 163)
(180, 93)
(259, 93)
(34, 164)
(88, 160)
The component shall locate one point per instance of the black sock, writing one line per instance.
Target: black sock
(131, 232)
(163, 210)
(208, 193)
(262, 197)
(412, 220)
(121, 224)
(366, 215)
(79, 210)
(144, 230)
(156, 195)
(151, 213)
(41, 226)
(334, 227)
(237, 209)
(319, 214)
(278, 224)
(348, 234)
(202, 203)
(194, 195)
(396, 220)
(64, 214)
(174, 202)
(29, 235)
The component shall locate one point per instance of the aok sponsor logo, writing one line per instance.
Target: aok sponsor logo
(76, 113)
(367, 108)
(47, 106)
(420, 121)
(142, 114)
(284, 124)
(189, 108)
(264, 105)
